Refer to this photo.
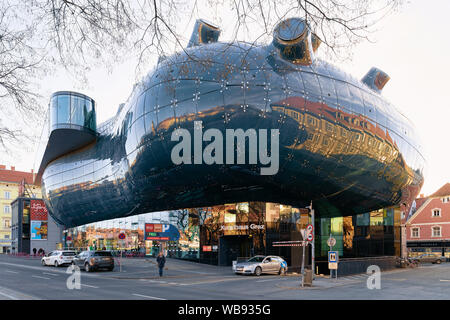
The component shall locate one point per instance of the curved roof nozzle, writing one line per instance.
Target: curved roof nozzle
(204, 32)
(293, 39)
(375, 79)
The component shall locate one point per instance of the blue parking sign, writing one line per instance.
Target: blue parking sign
(333, 256)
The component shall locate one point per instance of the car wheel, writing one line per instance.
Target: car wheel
(258, 271)
(56, 264)
(438, 261)
(86, 267)
(43, 262)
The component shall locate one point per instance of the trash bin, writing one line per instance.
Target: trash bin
(308, 278)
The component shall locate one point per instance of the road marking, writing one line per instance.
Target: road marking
(8, 296)
(41, 277)
(11, 271)
(150, 297)
(86, 285)
(444, 280)
(268, 280)
(50, 274)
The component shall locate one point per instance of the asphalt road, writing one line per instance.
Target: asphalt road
(25, 279)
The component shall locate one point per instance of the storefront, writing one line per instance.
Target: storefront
(417, 248)
(220, 234)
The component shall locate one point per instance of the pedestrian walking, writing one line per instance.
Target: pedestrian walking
(161, 260)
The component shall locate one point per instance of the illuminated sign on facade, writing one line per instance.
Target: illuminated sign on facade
(161, 232)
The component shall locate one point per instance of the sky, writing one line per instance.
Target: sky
(412, 46)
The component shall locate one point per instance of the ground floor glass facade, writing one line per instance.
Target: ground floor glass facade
(220, 234)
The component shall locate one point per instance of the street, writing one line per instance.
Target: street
(24, 278)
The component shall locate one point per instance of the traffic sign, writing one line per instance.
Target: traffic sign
(309, 237)
(122, 236)
(331, 241)
(333, 259)
(309, 228)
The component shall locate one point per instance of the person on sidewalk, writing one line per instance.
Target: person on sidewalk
(161, 260)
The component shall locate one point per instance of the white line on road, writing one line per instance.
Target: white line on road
(41, 277)
(11, 271)
(268, 280)
(50, 274)
(8, 296)
(150, 297)
(444, 280)
(86, 285)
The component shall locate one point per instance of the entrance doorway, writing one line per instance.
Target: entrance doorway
(232, 247)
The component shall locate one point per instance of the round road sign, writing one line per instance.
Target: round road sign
(309, 237)
(331, 242)
(122, 236)
(309, 228)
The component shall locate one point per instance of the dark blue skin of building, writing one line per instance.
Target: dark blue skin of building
(341, 144)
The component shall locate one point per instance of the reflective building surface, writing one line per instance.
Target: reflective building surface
(341, 144)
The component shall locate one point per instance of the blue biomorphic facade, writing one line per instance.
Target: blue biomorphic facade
(341, 144)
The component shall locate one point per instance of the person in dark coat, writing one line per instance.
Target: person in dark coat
(34, 251)
(161, 260)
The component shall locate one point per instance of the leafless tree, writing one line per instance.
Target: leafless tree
(39, 35)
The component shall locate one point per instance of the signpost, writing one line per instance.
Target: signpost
(122, 237)
(333, 256)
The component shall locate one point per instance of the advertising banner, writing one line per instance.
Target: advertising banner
(38, 210)
(39, 230)
(161, 232)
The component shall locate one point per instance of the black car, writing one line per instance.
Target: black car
(94, 260)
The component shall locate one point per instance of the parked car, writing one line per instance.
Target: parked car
(429, 257)
(58, 258)
(261, 264)
(94, 260)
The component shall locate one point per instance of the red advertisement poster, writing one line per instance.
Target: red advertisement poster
(38, 210)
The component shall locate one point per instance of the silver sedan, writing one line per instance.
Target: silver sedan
(262, 264)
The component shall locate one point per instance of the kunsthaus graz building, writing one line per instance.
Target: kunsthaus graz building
(229, 143)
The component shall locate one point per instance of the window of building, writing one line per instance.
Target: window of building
(7, 195)
(7, 223)
(6, 209)
(436, 231)
(446, 199)
(415, 233)
(436, 212)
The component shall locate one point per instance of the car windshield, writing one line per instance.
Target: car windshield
(70, 253)
(256, 259)
(103, 253)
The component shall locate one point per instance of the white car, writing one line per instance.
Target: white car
(58, 258)
(261, 264)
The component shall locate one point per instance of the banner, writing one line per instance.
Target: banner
(39, 230)
(38, 210)
(161, 232)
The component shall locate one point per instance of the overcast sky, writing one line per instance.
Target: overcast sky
(412, 46)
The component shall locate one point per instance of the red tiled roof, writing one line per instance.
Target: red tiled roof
(16, 176)
(420, 202)
(443, 191)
